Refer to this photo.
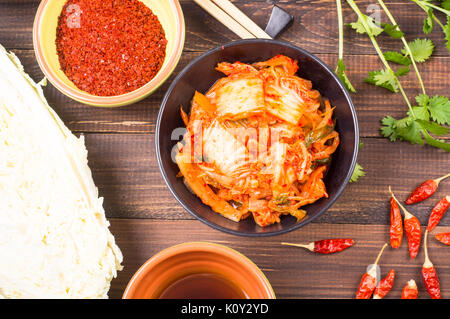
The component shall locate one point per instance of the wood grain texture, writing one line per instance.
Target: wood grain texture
(293, 272)
(145, 217)
(125, 170)
(315, 26)
(372, 103)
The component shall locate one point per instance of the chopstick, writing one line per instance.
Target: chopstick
(239, 16)
(224, 11)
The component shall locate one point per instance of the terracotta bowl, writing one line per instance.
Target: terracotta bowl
(177, 262)
(171, 18)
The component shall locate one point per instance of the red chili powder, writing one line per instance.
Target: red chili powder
(109, 47)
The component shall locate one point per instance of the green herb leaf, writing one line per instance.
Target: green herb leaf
(417, 125)
(383, 78)
(433, 127)
(447, 32)
(397, 57)
(446, 4)
(402, 71)
(402, 129)
(340, 71)
(421, 49)
(428, 23)
(437, 143)
(372, 79)
(392, 30)
(439, 107)
(410, 132)
(432, 113)
(388, 128)
(359, 27)
(357, 173)
(423, 100)
(420, 112)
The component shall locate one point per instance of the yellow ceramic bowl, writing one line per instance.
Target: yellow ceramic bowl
(44, 35)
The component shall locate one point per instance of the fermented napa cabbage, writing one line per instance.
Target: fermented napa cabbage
(224, 150)
(54, 237)
(284, 103)
(238, 98)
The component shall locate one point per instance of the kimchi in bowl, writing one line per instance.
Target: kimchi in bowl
(225, 82)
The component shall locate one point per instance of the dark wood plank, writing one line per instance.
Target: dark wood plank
(143, 212)
(372, 103)
(125, 170)
(293, 272)
(314, 28)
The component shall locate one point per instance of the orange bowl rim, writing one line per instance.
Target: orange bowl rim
(197, 246)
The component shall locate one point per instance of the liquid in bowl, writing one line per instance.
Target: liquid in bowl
(203, 286)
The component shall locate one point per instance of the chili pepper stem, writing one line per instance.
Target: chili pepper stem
(407, 214)
(438, 180)
(309, 246)
(380, 253)
(427, 263)
(372, 270)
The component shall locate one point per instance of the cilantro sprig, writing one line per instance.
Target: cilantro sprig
(376, 29)
(357, 173)
(421, 51)
(340, 72)
(340, 68)
(431, 19)
(424, 122)
(424, 119)
(386, 78)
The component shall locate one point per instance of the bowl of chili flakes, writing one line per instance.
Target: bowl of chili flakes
(108, 53)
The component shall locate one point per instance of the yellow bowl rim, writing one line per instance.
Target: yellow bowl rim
(110, 101)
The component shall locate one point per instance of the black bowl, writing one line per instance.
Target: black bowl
(200, 75)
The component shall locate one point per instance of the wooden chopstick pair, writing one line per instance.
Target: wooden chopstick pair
(233, 18)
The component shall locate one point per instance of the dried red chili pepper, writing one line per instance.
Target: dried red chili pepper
(396, 230)
(368, 281)
(443, 238)
(424, 190)
(413, 234)
(326, 246)
(429, 274)
(385, 285)
(410, 291)
(438, 212)
(413, 229)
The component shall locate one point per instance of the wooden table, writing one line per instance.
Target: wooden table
(144, 216)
